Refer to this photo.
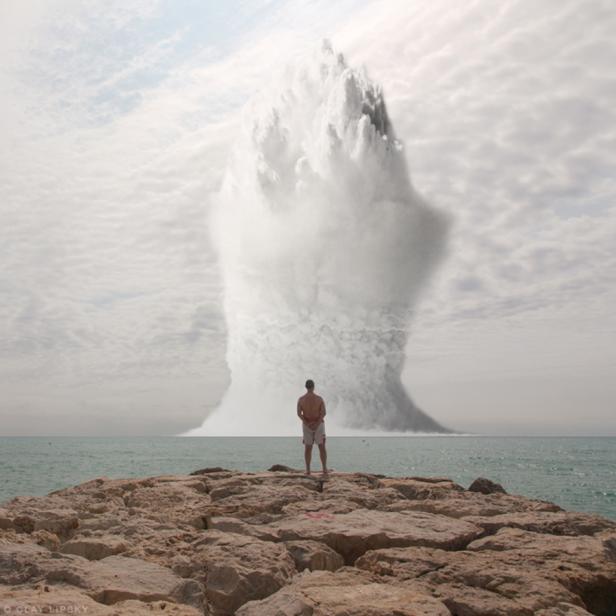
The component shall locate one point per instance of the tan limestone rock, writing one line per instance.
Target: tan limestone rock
(551, 522)
(511, 572)
(465, 504)
(351, 534)
(314, 556)
(236, 568)
(238, 539)
(419, 489)
(468, 584)
(109, 580)
(94, 548)
(44, 599)
(344, 593)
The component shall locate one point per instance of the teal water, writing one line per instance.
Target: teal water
(576, 473)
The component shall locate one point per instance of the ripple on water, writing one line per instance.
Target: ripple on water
(576, 473)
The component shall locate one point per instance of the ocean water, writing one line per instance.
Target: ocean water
(578, 473)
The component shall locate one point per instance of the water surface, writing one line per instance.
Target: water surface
(578, 473)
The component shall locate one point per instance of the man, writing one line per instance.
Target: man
(311, 410)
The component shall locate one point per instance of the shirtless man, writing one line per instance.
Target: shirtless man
(311, 410)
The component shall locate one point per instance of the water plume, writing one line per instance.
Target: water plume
(324, 247)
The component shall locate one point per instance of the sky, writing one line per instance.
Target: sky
(117, 119)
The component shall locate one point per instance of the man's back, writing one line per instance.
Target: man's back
(311, 405)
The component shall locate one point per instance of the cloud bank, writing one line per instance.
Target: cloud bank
(116, 128)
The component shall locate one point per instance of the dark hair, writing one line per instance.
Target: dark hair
(309, 384)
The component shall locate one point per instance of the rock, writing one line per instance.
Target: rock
(248, 497)
(467, 584)
(225, 542)
(23, 524)
(344, 593)
(240, 527)
(359, 492)
(513, 572)
(95, 548)
(61, 522)
(108, 581)
(209, 470)
(314, 556)
(48, 540)
(116, 578)
(281, 468)
(464, 504)
(238, 569)
(351, 534)
(551, 522)
(327, 504)
(415, 488)
(98, 508)
(563, 609)
(178, 502)
(6, 520)
(43, 599)
(20, 562)
(485, 486)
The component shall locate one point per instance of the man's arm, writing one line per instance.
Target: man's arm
(322, 414)
(300, 413)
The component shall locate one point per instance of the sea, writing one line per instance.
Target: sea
(577, 473)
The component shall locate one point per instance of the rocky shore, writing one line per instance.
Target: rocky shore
(278, 543)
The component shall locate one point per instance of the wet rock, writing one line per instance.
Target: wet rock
(209, 470)
(486, 486)
(281, 468)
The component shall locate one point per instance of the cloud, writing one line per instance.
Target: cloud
(116, 125)
(117, 130)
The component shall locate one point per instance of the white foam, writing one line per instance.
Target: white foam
(324, 247)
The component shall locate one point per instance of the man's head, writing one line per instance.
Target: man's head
(309, 384)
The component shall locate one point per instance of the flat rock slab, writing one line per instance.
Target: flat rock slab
(344, 593)
(236, 568)
(112, 579)
(549, 522)
(351, 534)
(465, 504)
(95, 548)
(416, 488)
(513, 572)
(314, 556)
(44, 599)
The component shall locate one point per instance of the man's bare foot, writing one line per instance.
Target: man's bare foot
(308, 472)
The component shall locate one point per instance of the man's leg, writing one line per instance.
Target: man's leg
(307, 457)
(323, 454)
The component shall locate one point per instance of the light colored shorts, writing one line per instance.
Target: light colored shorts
(314, 436)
